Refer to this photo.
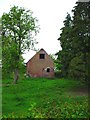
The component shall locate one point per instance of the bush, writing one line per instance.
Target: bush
(77, 68)
(58, 74)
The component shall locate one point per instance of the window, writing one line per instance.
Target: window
(42, 56)
(48, 69)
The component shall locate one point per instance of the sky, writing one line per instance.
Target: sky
(50, 15)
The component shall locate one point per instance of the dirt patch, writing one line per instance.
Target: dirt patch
(82, 91)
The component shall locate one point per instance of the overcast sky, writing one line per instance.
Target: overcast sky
(50, 14)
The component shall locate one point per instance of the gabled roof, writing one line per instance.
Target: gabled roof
(37, 53)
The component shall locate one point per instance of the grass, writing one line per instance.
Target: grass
(44, 98)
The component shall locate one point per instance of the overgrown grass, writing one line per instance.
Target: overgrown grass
(44, 98)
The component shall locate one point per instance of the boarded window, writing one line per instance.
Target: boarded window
(42, 56)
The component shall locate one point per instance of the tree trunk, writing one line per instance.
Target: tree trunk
(16, 76)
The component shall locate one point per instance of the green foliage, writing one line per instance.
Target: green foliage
(57, 64)
(74, 41)
(44, 98)
(19, 28)
(77, 68)
(58, 74)
(65, 42)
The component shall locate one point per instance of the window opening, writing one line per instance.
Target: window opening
(42, 56)
(48, 69)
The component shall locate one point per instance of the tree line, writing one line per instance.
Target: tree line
(75, 42)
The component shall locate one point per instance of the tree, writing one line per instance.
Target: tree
(81, 43)
(65, 42)
(18, 30)
(75, 43)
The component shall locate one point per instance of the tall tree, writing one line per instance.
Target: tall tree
(81, 43)
(65, 42)
(75, 43)
(18, 30)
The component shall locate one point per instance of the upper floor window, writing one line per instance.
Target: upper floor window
(42, 56)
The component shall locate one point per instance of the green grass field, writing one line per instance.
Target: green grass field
(44, 98)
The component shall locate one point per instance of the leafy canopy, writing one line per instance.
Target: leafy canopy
(19, 29)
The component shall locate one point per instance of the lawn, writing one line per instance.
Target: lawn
(45, 98)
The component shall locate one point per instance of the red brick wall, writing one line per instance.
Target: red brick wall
(36, 67)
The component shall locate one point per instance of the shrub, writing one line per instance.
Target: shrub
(77, 68)
(58, 74)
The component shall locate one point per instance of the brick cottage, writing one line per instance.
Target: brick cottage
(40, 65)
